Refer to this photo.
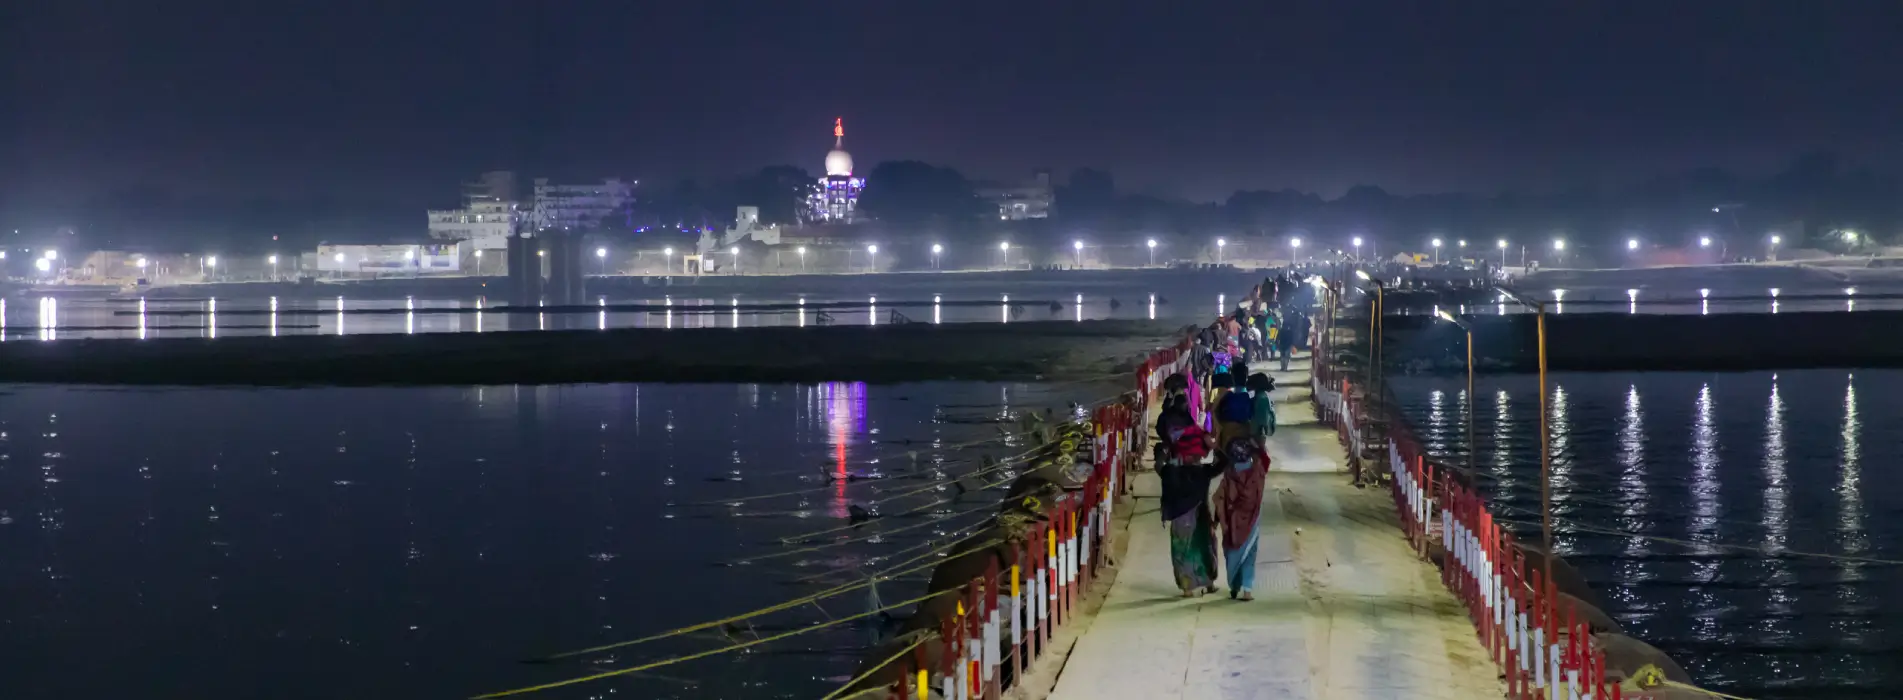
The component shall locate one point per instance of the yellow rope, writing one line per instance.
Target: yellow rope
(875, 669)
(777, 607)
(848, 526)
(862, 538)
(711, 652)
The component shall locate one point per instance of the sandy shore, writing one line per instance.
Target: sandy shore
(1043, 350)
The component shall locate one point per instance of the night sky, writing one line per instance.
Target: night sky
(401, 100)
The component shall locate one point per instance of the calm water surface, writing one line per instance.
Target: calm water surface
(1694, 473)
(417, 542)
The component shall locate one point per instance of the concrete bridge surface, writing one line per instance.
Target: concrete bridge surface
(1344, 610)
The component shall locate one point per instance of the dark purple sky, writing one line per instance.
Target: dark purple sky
(402, 100)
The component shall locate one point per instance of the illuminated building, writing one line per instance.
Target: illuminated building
(581, 207)
(488, 216)
(1017, 202)
(838, 197)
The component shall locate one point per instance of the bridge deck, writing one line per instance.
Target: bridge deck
(1343, 608)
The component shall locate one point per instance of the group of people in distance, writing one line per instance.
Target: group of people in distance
(1214, 424)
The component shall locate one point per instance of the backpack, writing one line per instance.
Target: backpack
(1235, 407)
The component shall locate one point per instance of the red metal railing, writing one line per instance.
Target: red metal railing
(1539, 640)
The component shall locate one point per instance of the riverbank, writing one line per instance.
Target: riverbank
(1042, 350)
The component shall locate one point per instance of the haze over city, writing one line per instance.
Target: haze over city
(386, 105)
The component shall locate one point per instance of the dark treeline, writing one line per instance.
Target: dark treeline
(1809, 203)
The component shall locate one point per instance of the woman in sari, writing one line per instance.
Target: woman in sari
(1185, 472)
(1239, 504)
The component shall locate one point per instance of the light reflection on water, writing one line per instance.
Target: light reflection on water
(250, 543)
(77, 316)
(1758, 461)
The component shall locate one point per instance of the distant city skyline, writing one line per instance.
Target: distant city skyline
(402, 102)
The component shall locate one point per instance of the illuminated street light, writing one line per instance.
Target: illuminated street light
(1559, 244)
(1220, 244)
(601, 261)
(936, 249)
(1462, 243)
(1704, 241)
(1078, 246)
(273, 259)
(735, 250)
(43, 265)
(338, 257)
(1295, 247)
(140, 263)
(52, 254)
(1436, 244)
(1776, 239)
(1631, 244)
(1151, 243)
(872, 262)
(1004, 253)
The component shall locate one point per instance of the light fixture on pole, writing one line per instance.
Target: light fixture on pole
(872, 258)
(1151, 243)
(1078, 247)
(1470, 384)
(1295, 248)
(1220, 244)
(736, 258)
(667, 258)
(1704, 241)
(601, 260)
(1502, 245)
(478, 262)
(1436, 245)
(1356, 242)
(802, 253)
(273, 259)
(1631, 244)
(1004, 253)
(936, 249)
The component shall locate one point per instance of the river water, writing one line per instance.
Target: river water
(1755, 530)
(418, 542)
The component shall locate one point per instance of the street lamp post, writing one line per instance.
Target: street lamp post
(478, 262)
(936, 249)
(1436, 244)
(1356, 242)
(1004, 254)
(1151, 244)
(872, 258)
(1546, 434)
(1470, 385)
(1502, 245)
(1775, 240)
(1078, 248)
(273, 259)
(208, 266)
(601, 259)
(1375, 329)
(1295, 249)
(802, 252)
(1559, 248)
(1220, 244)
(735, 250)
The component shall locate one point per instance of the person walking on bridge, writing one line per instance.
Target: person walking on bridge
(1239, 505)
(1185, 471)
